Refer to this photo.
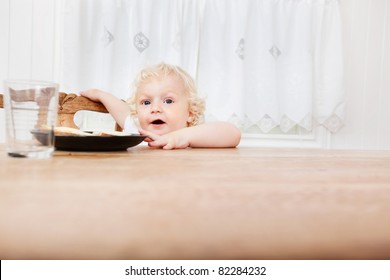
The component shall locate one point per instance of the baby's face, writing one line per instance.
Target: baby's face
(162, 105)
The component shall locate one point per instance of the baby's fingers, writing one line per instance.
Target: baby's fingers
(154, 140)
(88, 94)
(150, 136)
(168, 146)
(157, 143)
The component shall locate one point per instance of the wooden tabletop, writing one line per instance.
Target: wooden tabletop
(243, 203)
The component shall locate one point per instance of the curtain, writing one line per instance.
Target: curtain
(263, 63)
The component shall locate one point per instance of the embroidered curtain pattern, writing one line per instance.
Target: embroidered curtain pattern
(263, 63)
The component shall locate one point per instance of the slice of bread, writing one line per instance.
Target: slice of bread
(110, 133)
(63, 130)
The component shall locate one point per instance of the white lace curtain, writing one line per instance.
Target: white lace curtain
(263, 63)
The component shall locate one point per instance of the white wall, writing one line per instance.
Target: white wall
(30, 32)
(367, 69)
(29, 44)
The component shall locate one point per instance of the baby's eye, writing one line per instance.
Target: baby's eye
(168, 101)
(145, 102)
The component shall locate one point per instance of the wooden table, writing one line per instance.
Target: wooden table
(244, 203)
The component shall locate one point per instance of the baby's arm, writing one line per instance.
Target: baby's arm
(208, 135)
(115, 106)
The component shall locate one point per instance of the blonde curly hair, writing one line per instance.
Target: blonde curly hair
(196, 104)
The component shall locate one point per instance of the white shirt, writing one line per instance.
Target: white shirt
(130, 125)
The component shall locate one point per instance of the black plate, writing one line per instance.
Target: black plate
(92, 143)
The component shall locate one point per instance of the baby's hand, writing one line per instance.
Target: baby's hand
(92, 94)
(169, 141)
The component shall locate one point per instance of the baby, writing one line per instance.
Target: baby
(169, 112)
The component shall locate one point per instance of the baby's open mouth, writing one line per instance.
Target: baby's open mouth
(158, 122)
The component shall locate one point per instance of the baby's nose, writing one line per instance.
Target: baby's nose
(156, 108)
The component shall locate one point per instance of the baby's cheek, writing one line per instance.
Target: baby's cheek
(142, 122)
